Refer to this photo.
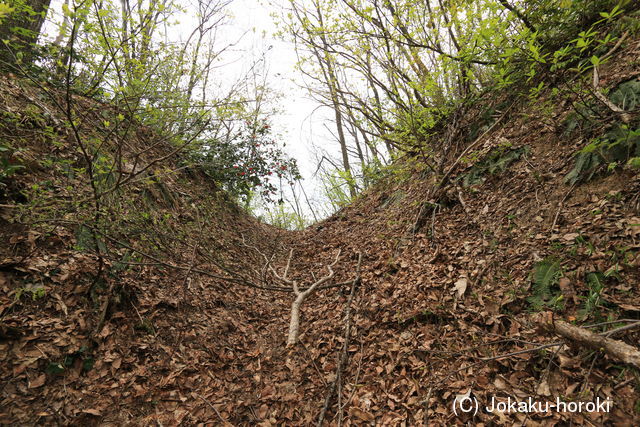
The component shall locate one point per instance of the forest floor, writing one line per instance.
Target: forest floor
(444, 306)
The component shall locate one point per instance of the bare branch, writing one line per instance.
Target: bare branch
(344, 351)
(617, 350)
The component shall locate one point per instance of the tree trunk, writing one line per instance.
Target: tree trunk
(332, 84)
(331, 79)
(22, 17)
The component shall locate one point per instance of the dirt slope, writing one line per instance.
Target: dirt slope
(179, 347)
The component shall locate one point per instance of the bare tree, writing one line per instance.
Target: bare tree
(321, 48)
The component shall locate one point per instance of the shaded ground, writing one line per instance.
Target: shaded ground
(179, 347)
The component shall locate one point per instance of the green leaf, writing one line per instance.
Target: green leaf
(546, 274)
(54, 368)
(595, 281)
(5, 9)
(634, 162)
(87, 364)
(545, 277)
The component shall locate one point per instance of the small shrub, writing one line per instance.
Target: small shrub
(8, 166)
(617, 147)
(592, 302)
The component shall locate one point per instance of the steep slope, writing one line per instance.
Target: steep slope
(86, 340)
(435, 301)
(169, 338)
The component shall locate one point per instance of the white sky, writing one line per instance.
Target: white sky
(302, 123)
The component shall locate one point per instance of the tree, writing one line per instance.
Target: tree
(395, 71)
(20, 29)
(312, 23)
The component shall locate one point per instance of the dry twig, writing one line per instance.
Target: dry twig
(596, 83)
(560, 205)
(344, 351)
(224, 422)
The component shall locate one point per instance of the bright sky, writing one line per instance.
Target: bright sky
(302, 122)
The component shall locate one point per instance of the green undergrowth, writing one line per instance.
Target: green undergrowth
(617, 146)
(496, 162)
(545, 292)
(567, 283)
(125, 219)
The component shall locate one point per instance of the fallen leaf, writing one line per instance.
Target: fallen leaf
(105, 332)
(364, 416)
(38, 382)
(460, 286)
(460, 398)
(543, 388)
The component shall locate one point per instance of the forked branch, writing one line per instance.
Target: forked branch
(301, 291)
(294, 323)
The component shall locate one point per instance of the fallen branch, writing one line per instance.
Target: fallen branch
(237, 280)
(616, 46)
(560, 205)
(462, 202)
(224, 422)
(478, 140)
(103, 311)
(344, 351)
(547, 322)
(426, 208)
(526, 350)
(354, 388)
(300, 293)
(617, 350)
(294, 323)
(596, 85)
(632, 325)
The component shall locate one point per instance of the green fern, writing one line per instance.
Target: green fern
(627, 95)
(544, 290)
(617, 146)
(497, 161)
(593, 301)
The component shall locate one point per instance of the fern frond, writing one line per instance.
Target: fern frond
(547, 272)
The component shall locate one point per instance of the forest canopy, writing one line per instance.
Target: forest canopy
(396, 75)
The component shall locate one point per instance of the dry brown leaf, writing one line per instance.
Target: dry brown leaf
(38, 382)
(543, 388)
(362, 415)
(460, 287)
(570, 237)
